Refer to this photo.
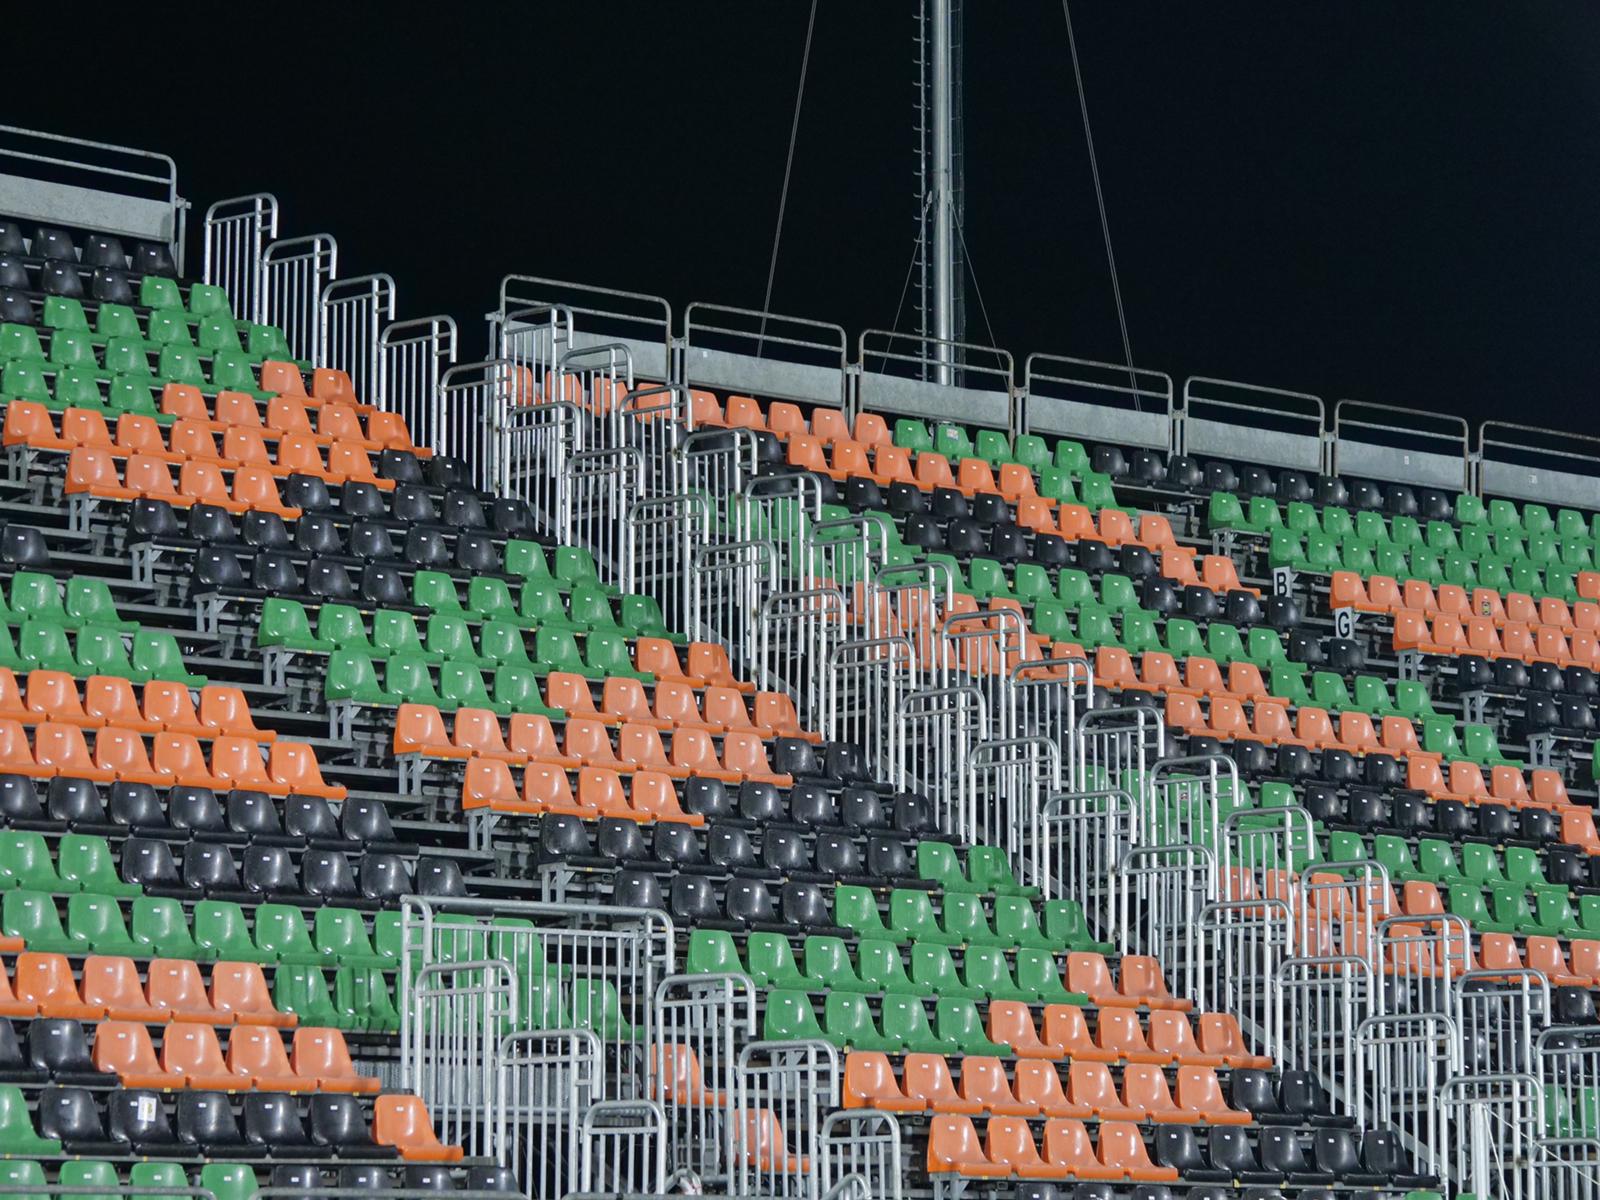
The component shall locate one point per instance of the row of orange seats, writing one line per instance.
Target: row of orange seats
(1447, 635)
(703, 664)
(1498, 952)
(336, 420)
(785, 420)
(1463, 780)
(289, 768)
(1381, 594)
(647, 796)
(677, 706)
(255, 1060)
(955, 1148)
(112, 990)
(94, 472)
(1269, 722)
(529, 737)
(1139, 982)
(57, 697)
(1158, 672)
(327, 384)
(1091, 1092)
(193, 433)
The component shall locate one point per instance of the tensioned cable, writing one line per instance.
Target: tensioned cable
(966, 256)
(905, 288)
(1100, 199)
(788, 166)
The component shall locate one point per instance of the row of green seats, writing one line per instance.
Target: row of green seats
(878, 968)
(78, 388)
(1436, 860)
(1320, 554)
(1371, 695)
(24, 1179)
(1571, 1112)
(72, 342)
(961, 919)
(95, 650)
(1227, 510)
(1476, 743)
(410, 678)
(205, 299)
(231, 369)
(449, 631)
(577, 1003)
(991, 445)
(66, 313)
(847, 1021)
(82, 863)
(157, 927)
(1508, 910)
(36, 596)
(1142, 630)
(361, 999)
(987, 870)
(1530, 518)
(229, 372)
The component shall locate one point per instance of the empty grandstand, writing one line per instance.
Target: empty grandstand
(637, 751)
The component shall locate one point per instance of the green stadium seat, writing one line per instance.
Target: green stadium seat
(856, 909)
(85, 864)
(229, 1181)
(789, 1018)
(959, 1028)
(285, 623)
(281, 933)
(912, 917)
(222, 932)
(159, 926)
(95, 924)
(1065, 925)
(881, 968)
(772, 962)
(32, 916)
(847, 1022)
(828, 961)
(17, 1135)
(156, 656)
(933, 972)
(25, 863)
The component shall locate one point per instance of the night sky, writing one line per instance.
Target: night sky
(1392, 202)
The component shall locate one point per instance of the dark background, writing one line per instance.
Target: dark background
(1393, 202)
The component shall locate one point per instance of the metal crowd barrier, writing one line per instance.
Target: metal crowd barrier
(236, 234)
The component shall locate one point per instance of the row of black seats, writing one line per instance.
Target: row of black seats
(22, 547)
(139, 1121)
(435, 546)
(694, 903)
(49, 244)
(55, 1049)
(1557, 716)
(1236, 607)
(270, 874)
(1376, 810)
(1294, 764)
(1328, 1155)
(1512, 674)
(187, 812)
(1161, 1191)
(812, 804)
(106, 284)
(277, 573)
(446, 507)
(720, 850)
(416, 1177)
